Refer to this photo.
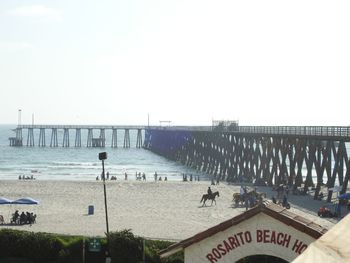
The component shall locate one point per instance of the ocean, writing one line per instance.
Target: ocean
(58, 163)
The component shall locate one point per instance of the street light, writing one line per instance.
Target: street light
(103, 156)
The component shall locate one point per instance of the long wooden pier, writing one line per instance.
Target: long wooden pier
(320, 132)
(91, 141)
(274, 154)
(305, 156)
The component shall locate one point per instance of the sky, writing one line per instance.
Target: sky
(184, 61)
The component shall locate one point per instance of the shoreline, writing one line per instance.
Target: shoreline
(168, 210)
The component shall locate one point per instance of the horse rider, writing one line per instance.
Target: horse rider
(209, 192)
(241, 192)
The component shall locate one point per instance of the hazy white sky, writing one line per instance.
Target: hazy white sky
(115, 62)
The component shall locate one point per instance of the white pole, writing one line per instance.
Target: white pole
(19, 117)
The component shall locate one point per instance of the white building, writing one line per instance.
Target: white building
(266, 229)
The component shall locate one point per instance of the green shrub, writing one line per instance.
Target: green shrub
(175, 258)
(154, 246)
(38, 247)
(43, 247)
(72, 250)
(8, 238)
(125, 247)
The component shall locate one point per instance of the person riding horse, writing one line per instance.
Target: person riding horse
(209, 192)
(210, 196)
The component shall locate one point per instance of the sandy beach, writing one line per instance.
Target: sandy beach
(160, 210)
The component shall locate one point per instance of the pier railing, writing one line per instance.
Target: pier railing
(327, 131)
(106, 127)
(319, 131)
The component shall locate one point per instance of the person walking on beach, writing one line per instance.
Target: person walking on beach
(246, 202)
(284, 202)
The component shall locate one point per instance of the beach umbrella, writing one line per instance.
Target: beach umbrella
(5, 201)
(26, 201)
(344, 196)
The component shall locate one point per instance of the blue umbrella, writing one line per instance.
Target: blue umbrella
(25, 201)
(5, 201)
(344, 196)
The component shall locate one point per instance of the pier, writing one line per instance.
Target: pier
(300, 156)
(294, 155)
(92, 140)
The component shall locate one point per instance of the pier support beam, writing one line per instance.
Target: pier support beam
(42, 142)
(65, 142)
(114, 143)
(102, 137)
(30, 138)
(54, 140)
(139, 139)
(126, 138)
(19, 138)
(78, 137)
(89, 138)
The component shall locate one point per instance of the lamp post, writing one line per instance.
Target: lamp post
(103, 156)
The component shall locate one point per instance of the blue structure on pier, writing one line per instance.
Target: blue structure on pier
(166, 142)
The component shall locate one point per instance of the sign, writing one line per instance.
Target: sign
(94, 245)
(258, 235)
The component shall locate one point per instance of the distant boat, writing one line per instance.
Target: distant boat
(34, 171)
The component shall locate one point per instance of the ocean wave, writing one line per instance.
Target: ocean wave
(88, 164)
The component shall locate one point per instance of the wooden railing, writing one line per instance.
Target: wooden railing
(322, 131)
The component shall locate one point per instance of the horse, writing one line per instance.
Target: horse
(211, 197)
(237, 198)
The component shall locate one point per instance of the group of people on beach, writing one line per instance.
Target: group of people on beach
(24, 177)
(156, 178)
(138, 177)
(189, 178)
(23, 218)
